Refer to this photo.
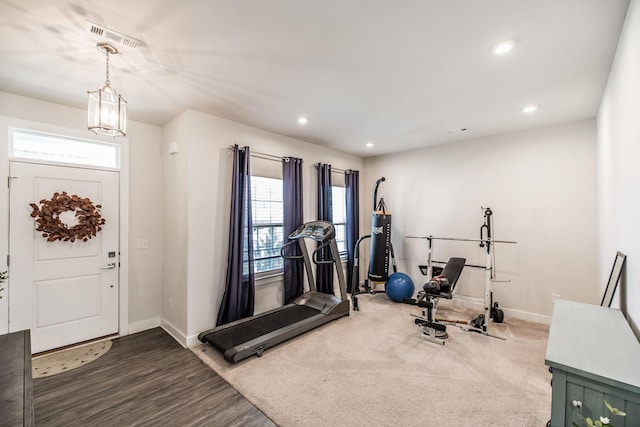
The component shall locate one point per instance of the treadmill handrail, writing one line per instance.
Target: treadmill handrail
(317, 251)
(342, 283)
(293, 242)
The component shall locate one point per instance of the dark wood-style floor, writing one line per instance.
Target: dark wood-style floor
(145, 379)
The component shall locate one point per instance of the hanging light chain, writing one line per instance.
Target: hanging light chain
(107, 49)
(107, 82)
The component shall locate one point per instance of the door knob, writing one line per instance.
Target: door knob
(108, 266)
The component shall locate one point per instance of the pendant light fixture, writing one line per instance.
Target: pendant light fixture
(107, 110)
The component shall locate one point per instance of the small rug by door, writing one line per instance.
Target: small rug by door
(66, 360)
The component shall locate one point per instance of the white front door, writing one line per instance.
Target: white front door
(65, 292)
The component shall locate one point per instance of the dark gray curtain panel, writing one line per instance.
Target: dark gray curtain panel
(324, 272)
(352, 190)
(293, 218)
(239, 295)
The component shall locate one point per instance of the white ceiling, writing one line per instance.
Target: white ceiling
(402, 74)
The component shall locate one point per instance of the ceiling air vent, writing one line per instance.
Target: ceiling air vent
(111, 35)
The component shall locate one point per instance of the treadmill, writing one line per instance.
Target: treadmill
(253, 335)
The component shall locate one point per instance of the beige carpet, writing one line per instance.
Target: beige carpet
(66, 360)
(373, 368)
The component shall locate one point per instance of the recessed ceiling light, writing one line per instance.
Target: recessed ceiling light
(303, 120)
(530, 109)
(369, 144)
(503, 47)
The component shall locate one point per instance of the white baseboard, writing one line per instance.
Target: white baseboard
(525, 315)
(144, 325)
(174, 332)
(475, 304)
(192, 341)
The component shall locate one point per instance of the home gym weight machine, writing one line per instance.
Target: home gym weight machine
(486, 240)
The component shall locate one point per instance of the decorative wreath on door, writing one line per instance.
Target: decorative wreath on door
(89, 220)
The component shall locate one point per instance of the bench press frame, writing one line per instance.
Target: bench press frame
(485, 241)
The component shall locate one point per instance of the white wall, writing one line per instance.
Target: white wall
(145, 214)
(619, 171)
(174, 228)
(197, 186)
(540, 185)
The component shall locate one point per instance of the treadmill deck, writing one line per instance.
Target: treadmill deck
(225, 339)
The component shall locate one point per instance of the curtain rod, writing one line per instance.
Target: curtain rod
(337, 170)
(264, 156)
(275, 158)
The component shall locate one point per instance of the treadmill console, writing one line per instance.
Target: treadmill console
(320, 231)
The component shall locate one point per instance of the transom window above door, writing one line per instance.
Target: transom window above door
(36, 146)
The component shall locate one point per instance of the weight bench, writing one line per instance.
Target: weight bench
(440, 286)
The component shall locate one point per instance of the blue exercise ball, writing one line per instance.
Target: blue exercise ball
(399, 286)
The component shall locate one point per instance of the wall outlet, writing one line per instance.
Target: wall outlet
(554, 297)
(171, 304)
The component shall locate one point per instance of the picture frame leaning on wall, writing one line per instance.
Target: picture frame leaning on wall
(614, 279)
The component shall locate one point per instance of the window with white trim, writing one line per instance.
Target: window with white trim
(339, 215)
(267, 209)
(268, 224)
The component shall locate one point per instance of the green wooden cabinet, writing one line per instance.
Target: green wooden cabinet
(595, 357)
